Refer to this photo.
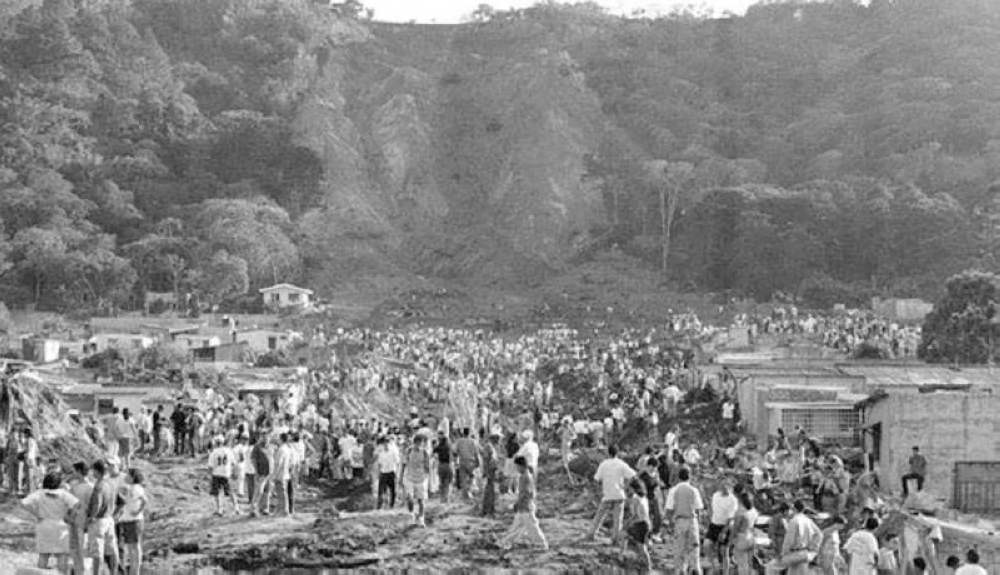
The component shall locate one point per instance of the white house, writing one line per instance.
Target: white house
(286, 295)
(120, 341)
(193, 340)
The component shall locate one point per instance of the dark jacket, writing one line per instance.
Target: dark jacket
(261, 461)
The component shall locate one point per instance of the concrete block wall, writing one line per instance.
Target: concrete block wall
(948, 428)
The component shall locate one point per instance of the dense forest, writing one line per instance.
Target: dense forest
(829, 150)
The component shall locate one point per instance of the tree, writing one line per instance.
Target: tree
(671, 181)
(482, 14)
(962, 327)
(222, 277)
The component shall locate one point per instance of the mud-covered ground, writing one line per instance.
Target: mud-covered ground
(184, 532)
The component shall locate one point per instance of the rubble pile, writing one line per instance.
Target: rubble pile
(26, 399)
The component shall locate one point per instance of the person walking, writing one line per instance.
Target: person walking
(415, 473)
(179, 421)
(49, 506)
(30, 461)
(724, 507)
(613, 473)
(158, 421)
(640, 528)
(468, 462)
(525, 526)
(567, 435)
(684, 504)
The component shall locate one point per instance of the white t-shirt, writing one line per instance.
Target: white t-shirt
(134, 496)
(613, 473)
(970, 569)
(724, 508)
(692, 457)
(863, 549)
(388, 460)
(530, 453)
(728, 410)
(221, 461)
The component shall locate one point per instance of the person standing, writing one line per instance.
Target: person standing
(684, 504)
(525, 524)
(387, 462)
(111, 432)
(491, 464)
(158, 420)
(724, 507)
(179, 420)
(100, 520)
(133, 519)
(530, 451)
(512, 446)
(468, 461)
(862, 547)
(567, 435)
(918, 471)
(445, 473)
(14, 453)
(415, 473)
(81, 487)
(743, 545)
(829, 558)
(613, 473)
(261, 461)
(49, 506)
(31, 464)
(126, 434)
(801, 543)
(972, 566)
(282, 474)
(221, 461)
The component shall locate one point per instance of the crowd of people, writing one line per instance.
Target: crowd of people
(846, 331)
(486, 409)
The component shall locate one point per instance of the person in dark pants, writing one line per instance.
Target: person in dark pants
(445, 472)
(179, 420)
(387, 461)
(918, 470)
(491, 463)
(158, 420)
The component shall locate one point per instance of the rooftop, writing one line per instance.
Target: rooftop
(917, 375)
(286, 287)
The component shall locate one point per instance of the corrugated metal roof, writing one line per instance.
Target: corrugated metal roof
(921, 375)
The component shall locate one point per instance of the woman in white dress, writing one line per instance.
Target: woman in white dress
(50, 506)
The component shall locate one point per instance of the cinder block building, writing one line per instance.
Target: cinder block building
(956, 431)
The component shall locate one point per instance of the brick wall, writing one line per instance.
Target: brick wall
(948, 428)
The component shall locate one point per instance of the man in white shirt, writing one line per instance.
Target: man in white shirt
(684, 504)
(728, 412)
(972, 566)
(282, 473)
(802, 541)
(614, 474)
(691, 456)
(221, 461)
(388, 462)
(724, 508)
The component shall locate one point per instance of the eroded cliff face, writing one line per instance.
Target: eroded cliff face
(452, 154)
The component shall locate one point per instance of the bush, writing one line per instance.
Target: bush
(162, 356)
(276, 358)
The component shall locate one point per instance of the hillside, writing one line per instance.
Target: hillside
(828, 149)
